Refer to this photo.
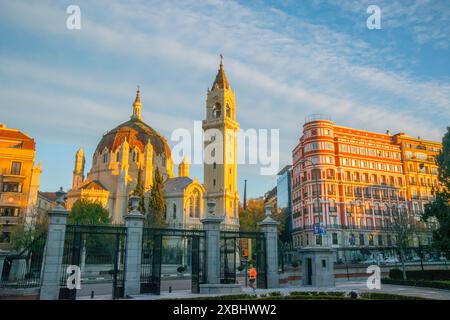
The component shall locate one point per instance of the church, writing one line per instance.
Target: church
(134, 147)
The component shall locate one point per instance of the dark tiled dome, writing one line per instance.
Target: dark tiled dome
(137, 133)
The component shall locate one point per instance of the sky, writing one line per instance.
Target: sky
(284, 60)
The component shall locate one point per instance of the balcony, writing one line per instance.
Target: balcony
(15, 199)
(9, 220)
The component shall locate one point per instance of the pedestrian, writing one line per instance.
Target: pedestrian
(252, 277)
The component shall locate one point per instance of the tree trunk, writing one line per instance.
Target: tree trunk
(402, 257)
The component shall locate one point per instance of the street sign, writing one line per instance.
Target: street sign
(318, 229)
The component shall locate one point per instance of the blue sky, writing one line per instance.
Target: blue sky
(284, 59)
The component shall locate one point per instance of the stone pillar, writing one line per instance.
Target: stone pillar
(269, 228)
(134, 222)
(211, 225)
(54, 249)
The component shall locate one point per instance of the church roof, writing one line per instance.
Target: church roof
(178, 184)
(221, 78)
(96, 185)
(136, 132)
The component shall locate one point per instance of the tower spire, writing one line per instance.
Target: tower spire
(137, 106)
(221, 79)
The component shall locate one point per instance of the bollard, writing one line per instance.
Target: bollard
(170, 289)
(92, 294)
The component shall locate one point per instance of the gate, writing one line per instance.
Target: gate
(239, 249)
(157, 250)
(99, 252)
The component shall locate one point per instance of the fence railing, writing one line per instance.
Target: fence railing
(23, 270)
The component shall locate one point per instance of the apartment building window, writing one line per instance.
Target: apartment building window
(361, 239)
(335, 238)
(319, 240)
(380, 240)
(9, 211)
(5, 237)
(371, 243)
(389, 240)
(16, 167)
(12, 187)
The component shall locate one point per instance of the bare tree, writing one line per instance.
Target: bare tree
(403, 231)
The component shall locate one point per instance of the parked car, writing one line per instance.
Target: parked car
(390, 260)
(371, 261)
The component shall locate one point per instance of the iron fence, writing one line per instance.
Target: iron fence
(99, 252)
(183, 248)
(23, 270)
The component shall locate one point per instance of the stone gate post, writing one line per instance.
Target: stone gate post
(54, 250)
(134, 222)
(211, 225)
(269, 228)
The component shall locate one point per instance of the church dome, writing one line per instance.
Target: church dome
(137, 133)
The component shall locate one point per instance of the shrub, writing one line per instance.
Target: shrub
(275, 294)
(418, 283)
(387, 296)
(395, 274)
(181, 269)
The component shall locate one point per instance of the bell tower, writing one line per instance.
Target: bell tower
(220, 149)
(78, 172)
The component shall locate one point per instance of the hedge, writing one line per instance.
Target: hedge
(387, 296)
(418, 283)
(397, 274)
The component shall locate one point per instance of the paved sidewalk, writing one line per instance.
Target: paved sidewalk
(341, 286)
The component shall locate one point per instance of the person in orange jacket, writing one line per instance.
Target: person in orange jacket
(252, 277)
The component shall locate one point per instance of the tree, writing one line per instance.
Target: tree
(439, 208)
(255, 213)
(139, 191)
(23, 235)
(403, 233)
(88, 212)
(156, 203)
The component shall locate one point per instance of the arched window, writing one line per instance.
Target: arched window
(191, 206)
(217, 111)
(135, 155)
(118, 156)
(105, 158)
(174, 211)
(197, 204)
(228, 111)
